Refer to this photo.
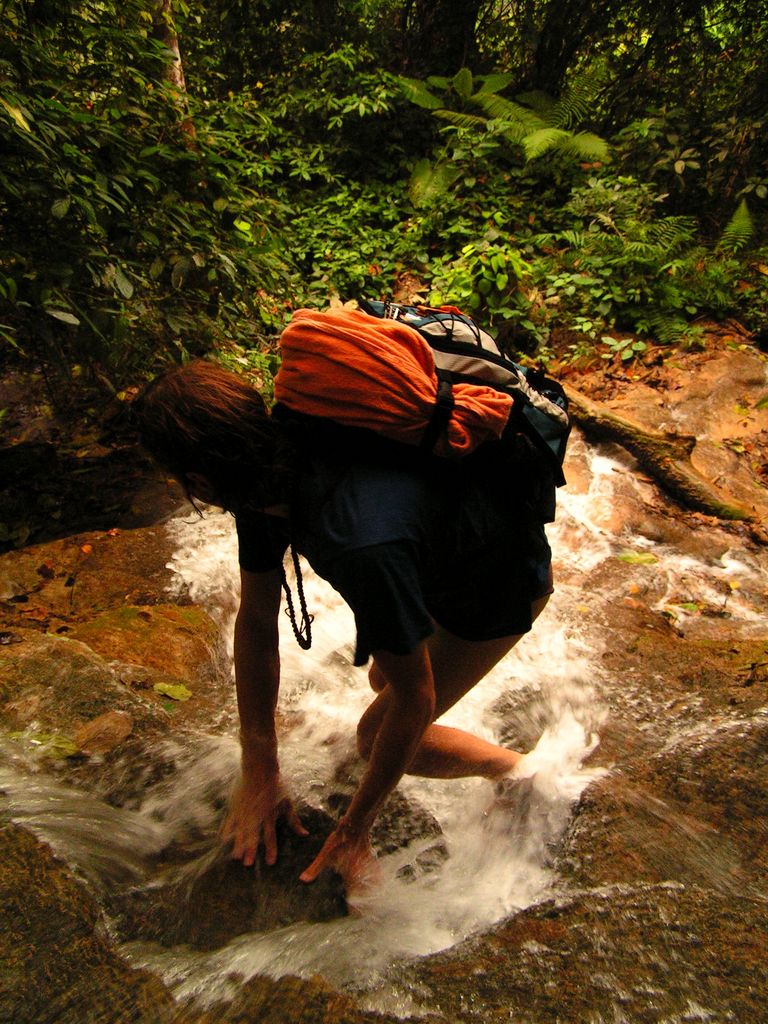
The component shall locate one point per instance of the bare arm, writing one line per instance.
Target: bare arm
(259, 798)
(257, 663)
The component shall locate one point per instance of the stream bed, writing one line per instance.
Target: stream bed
(639, 815)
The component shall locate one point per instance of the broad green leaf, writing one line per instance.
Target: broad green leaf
(417, 93)
(462, 83)
(177, 324)
(17, 115)
(180, 270)
(637, 558)
(124, 286)
(176, 691)
(492, 83)
(52, 744)
(61, 314)
(60, 207)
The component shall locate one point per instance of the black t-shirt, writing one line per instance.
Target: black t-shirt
(407, 542)
(368, 529)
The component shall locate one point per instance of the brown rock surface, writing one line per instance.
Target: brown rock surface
(658, 912)
(58, 963)
(639, 953)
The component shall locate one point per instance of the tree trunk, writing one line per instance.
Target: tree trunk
(165, 32)
(439, 36)
(666, 457)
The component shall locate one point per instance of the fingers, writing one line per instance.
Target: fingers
(294, 821)
(244, 847)
(352, 858)
(249, 832)
(325, 859)
(314, 869)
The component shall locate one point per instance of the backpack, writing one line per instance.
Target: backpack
(433, 379)
(463, 352)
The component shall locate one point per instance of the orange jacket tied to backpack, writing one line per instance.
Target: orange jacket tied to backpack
(361, 371)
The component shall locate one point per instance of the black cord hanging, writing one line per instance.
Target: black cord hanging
(303, 630)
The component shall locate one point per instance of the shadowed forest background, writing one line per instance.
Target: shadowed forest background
(584, 178)
(590, 180)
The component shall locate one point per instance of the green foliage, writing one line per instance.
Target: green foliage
(535, 123)
(739, 230)
(483, 280)
(123, 235)
(622, 264)
(607, 170)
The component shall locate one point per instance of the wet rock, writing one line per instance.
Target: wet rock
(209, 901)
(289, 1001)
(626, 831)
(104, 733)
(178, 641)
(58, 964)
(716, 396)
(60, 684)
(640, 953)
(50, 586)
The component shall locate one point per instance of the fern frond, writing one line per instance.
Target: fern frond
(506, 110)
(588, 147)
(642, 250)
(669, 328)
(510, 130)
(542, 140)
(416, 92)
(578, 101)
(739, 230)
(429, 182)
(575, 239)
(671, 233)
(461, 120)
(537, 100)
(492, 83)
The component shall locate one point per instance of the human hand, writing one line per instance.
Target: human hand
(348, 853)
(253, 813)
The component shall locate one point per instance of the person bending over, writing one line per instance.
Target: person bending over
(443, 564)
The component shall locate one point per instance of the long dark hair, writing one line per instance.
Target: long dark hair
(202, 418)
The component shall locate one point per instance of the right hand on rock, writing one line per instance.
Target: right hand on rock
(252, 818)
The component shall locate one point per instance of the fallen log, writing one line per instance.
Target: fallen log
(664, 456)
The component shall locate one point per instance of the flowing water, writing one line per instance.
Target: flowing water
(500, 858)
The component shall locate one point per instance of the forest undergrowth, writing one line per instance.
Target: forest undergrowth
(177, 180)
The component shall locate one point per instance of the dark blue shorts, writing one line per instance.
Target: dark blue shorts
(482, 594)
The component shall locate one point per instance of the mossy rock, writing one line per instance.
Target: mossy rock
(58, 964)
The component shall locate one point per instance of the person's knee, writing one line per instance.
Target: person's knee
(376, 678)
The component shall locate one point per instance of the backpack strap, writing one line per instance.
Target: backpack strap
(441, 414)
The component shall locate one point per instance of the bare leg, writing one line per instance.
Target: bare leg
(457, 666)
